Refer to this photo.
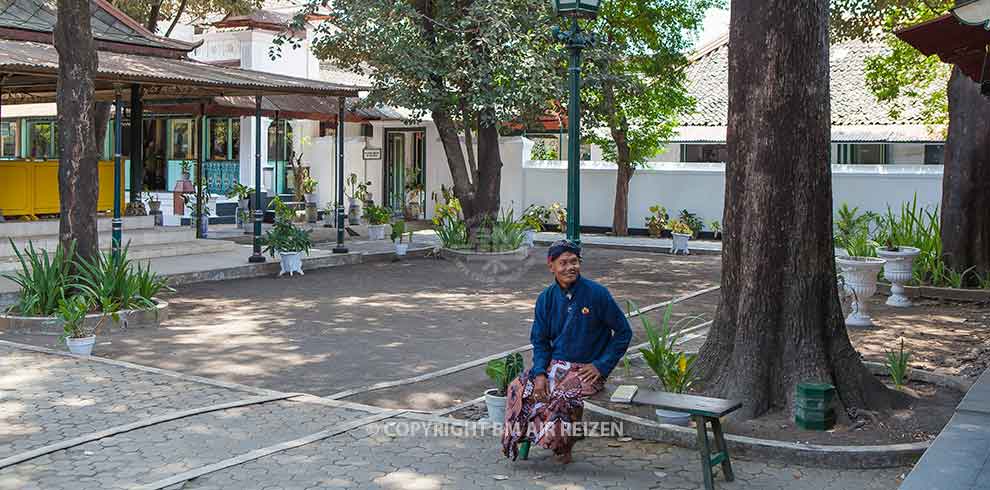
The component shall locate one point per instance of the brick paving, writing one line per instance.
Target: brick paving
(48, 397)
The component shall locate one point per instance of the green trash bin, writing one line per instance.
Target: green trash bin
(813, 406)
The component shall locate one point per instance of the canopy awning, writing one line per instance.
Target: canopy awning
(953, 41)
(284, 106)
(29, 71)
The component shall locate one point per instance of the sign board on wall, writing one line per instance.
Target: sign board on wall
(372, 153)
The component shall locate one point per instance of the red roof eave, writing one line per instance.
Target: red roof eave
(953, 42)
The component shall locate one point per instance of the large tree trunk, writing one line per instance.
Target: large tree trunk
(966, 178)
(624, 173)
(779, 322)
(77, 127)
(479, 197)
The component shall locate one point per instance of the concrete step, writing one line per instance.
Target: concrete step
(152, 251)
(139, 237)
(14, 229)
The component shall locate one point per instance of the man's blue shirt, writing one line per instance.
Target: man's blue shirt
(582, 324)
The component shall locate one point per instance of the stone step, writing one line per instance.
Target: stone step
(14, 229)
(143, 252)
(138, 237)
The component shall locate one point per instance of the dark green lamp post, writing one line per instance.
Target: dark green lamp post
(574, 40)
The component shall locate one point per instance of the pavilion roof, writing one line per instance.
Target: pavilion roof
(954, 42)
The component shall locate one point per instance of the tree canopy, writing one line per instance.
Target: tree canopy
(150, 12)
(902, 75)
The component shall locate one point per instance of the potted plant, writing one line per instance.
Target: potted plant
(501, 372)
(286, 240)
(194, 220)
(692, 221)
(657, 221)
(186, 168)
(533, 219)
(560, 212)
(357, 194)
(398, 230)
(330, 215)
(378, 217)
(309, 188)
(154, 204)
(859, 275)
(672, 367)
(414, 189)
(242, 193)
(72, 312)
(680, 233)
(716, 229)
(898, 269)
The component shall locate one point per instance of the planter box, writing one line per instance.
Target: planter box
(46, 325)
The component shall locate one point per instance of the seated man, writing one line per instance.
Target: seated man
(579, 335)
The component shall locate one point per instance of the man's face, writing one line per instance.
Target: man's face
(566, 268)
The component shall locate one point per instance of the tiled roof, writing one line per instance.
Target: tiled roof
(852, 102)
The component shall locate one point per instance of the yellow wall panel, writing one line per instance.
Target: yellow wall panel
(31, 187)
(16, 191)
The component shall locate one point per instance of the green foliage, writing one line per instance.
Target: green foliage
(43, 280)
(897, 365)
(679, 227)
(504, 233)
(560, 212)
(658, 220)
(902, 77)
(285, 236)
(634, 81)
(672, 367)
(72, 312)
(716, 227)
(378, 215)
(489, 60)
(356, 190)
(111, 283)
(239, 191)
(150, 12)
(149, 283)
(399, 230)
(309, 185)
(448, 224)
(852, 232)
(543, 150)
(503, 371)
(692, 221)
(535, 216)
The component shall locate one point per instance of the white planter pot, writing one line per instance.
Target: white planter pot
(291, 263)
(401, 249)
(529, 237)
(376, 232)
(898, 270)
(311, 197)
(860, 274)
(82, 346)
(680, 244)
(496, 406)
(353, 211)
(671, 417)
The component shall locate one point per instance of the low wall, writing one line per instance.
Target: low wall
(700, 188)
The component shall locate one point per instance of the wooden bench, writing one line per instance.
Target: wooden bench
(704, 410)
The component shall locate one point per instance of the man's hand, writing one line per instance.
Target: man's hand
(588, 373)
(540, 393)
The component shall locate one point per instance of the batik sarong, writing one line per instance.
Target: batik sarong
(546, 423)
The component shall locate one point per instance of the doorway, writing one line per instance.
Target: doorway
(405, 172)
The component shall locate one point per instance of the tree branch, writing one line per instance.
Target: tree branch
(175, 20)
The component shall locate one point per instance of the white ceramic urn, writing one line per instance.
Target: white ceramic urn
(860, 275)
(898, 270)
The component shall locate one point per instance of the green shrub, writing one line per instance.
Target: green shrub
(535, 216)
(673, 368)
(503, 371)
(897, 365)
(111, 283)
(692, 221)
(285, 236)
(44, 280)
(378, 215)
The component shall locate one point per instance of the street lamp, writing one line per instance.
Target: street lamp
(575, 40)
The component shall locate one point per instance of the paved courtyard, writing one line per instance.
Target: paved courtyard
(298, 442)
(352, 326)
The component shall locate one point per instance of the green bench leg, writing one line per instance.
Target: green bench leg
(722, 449)
(706, 452)
(524, 449)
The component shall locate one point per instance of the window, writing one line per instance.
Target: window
(279, 141)
(181, 137)
(41, 138)
(704, 153)
(862, 154)
(9, 139)
(934, 154)
(235, 139)
(219, 138)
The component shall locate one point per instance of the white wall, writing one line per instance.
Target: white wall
(700, 188)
